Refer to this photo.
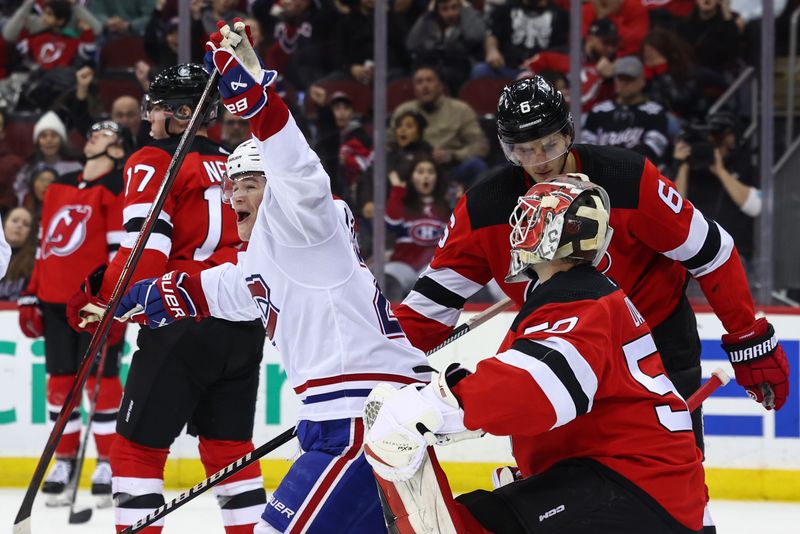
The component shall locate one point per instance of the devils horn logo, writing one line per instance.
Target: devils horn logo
(261, 295)
(67, 231)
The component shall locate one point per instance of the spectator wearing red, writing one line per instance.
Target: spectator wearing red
(599, 50)
(416, 213)
(629, 16)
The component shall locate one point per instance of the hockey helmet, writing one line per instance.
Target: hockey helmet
(177, 86)
(243, 161)
(566, 217)
(532, 109)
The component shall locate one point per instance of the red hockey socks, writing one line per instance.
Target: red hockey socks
(105, 415)
(57, 388)
(241, 497)
(137, 482)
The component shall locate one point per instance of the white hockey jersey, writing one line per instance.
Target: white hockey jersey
(303, 277)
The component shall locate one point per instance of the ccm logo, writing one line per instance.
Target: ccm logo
(169, 296)
(547, 515)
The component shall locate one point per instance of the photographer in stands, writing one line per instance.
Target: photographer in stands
(717, 176)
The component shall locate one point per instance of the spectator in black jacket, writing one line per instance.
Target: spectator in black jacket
(713, 34)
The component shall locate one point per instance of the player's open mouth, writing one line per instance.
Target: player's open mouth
(242, 215)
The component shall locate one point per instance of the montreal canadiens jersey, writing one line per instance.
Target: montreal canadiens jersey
(416, 234)
(579, 376)
(303, 277)
(194, 230)
(659, 239)
(80, 229)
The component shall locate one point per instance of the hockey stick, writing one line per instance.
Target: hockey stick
(475, 322)
(22, 522)
(213, 480)
(82, 516)
(718, 378)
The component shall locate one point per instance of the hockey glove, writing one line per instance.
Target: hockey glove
(157, 302)
(30, 316)
(243, 80)
(85, 309)
(759, 363)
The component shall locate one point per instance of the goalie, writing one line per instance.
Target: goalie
(602, 438)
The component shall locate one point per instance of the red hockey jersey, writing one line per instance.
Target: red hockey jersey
(80, 229)
(580, 377)
(194, 231)
(658, 237)
(51, 49)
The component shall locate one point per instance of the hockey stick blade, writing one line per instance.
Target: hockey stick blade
(80, 517)
(211, 481)
(73, 397)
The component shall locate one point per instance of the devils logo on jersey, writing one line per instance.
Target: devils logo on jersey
(66, 231)
(261, 293)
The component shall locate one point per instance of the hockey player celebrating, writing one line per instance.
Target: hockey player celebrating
(660, 239)
(319, 303)
(602, 438)
(187, 373)
(80, 228)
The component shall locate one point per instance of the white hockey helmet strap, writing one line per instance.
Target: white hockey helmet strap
(244, 160)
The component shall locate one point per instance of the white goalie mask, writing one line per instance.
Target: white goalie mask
(245, 161)
(565, 217)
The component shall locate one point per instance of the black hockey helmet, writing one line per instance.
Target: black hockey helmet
(531, 109)
(179, 85)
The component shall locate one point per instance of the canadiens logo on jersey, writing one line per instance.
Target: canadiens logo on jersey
(426, 232)
(261, 293)
(66, 231)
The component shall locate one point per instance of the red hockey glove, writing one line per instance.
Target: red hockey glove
(243, 80)
(30, 316)
(85, 308)
(158, 302)
(759, 363)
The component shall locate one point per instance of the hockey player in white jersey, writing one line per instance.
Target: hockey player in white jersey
(302, 276)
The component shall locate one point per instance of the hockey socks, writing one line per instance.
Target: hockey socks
(58, 387)
(105, 415)
(137, 483)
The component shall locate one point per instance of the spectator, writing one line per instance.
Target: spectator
(449, 36)
(216, 10)
(50, 147)
(599, 50)
(409, 141)
(712, 32)
(42, 175)
(354, 37)
(26, 19)
(125, 112)
(629, 16)
(80, 107)
(670, 73)
(235, 130)
(630, 120)
(453, 131)
(20, 236)
(161, 38)
(121, 17)
(5, 255)
(10, 164)
(416, 213)
(518, 30)
(714, 172)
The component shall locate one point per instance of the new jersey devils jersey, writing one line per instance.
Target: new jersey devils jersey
(302, 275)
(580, 377)
(80, 229)
(193, 231)
(658, 237)
(51, 49)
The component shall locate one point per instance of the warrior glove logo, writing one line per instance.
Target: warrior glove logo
(66, 231)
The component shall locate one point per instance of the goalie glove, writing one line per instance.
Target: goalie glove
(157, 302)
(759, 363)
(243, 80)
(403, 423)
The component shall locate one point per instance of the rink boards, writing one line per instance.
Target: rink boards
(751, 453)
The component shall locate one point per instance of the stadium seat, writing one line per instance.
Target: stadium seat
(360, 94)
(397, 92)
(19, 134)
(482, 94)
(112, 88)
(121, 53)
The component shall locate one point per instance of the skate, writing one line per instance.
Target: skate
(101, 484)
(57, 481)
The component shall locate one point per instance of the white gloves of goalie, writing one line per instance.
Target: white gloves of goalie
(402, 423)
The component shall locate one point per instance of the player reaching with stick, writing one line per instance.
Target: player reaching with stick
(187, 373)
(303, 277)
(602, 438)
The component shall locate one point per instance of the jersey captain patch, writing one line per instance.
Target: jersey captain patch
(66, 231)
(261, 295)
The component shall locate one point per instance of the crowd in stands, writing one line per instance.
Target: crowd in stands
(650, 71)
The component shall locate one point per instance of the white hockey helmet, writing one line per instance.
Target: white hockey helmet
(243, 161)
(565, 217)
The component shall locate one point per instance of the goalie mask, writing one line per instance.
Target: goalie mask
(566, 217)
(245, 161)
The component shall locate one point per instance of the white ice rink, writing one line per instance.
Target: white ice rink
(201, 515)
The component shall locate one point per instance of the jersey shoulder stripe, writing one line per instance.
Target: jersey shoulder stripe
(617, 170)
(491, 200)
